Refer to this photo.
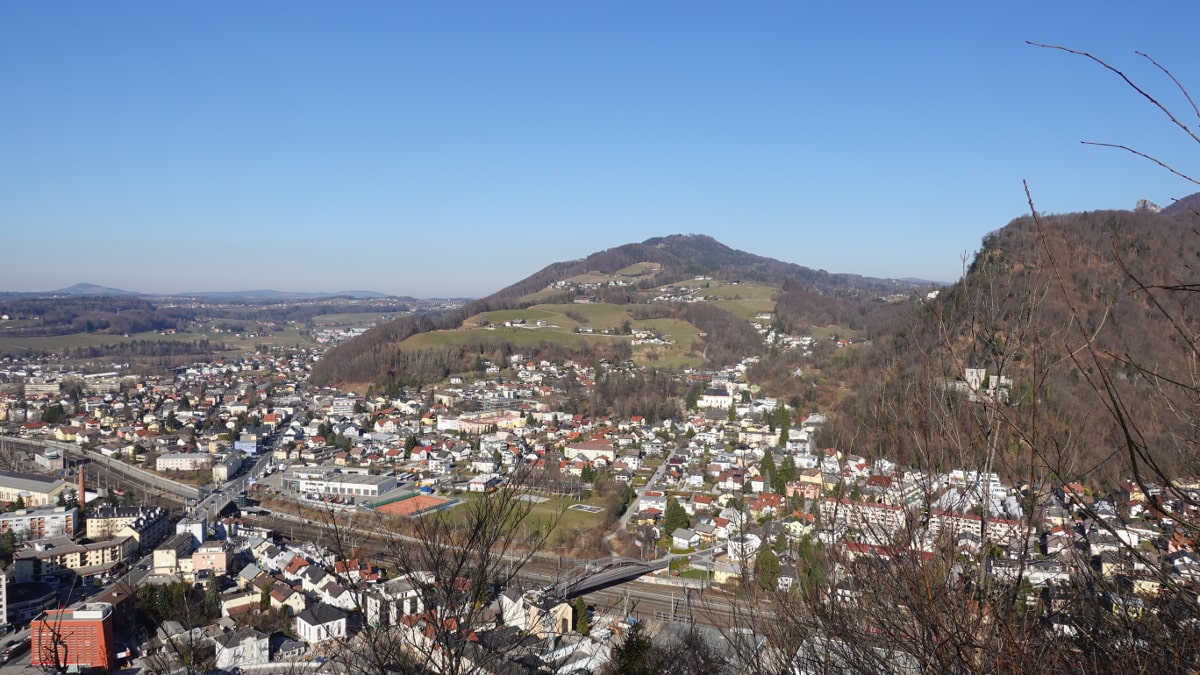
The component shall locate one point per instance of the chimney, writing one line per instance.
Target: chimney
(82, 494)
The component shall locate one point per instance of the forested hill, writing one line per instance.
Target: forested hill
(376, 357)
(1038, 294)
(685, 256)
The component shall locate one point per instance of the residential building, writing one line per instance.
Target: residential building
(46, 521)
(591, 451)
(878, 521)
(148, 525)
(226, 467)
(320, 623)
(50, 558)
(387, 602)
(951, 524)
(243, 647)
(184, 461)
(168, 555)
(197, 527)
(211, 556)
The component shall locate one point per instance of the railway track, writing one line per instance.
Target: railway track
(640, 599)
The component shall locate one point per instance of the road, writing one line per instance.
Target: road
(20, 663)
(622, 523)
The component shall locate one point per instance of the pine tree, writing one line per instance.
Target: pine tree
(766, 468)
(633, 656)
(581, 616)
(675, 517)
(766, 567)
(786, 473)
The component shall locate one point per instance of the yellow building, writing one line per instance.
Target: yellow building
(33, 489)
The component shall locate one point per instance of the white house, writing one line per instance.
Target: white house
(320, 623)
(242, 647)
(683, 538)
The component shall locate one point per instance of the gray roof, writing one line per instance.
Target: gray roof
(321, 614)
(28, 481)
(249, 572)
(230, 640)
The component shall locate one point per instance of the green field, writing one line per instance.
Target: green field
(545, 512)
(747, 308)
(673, 356)
(12, 324)
(742, 291)
(598, 315)
(530, 315)
(561, 329)
(58, 343)
(544, 294)
(355, 318)
(518, 337)
(638, 269)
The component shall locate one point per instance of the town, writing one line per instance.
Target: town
(228, 515)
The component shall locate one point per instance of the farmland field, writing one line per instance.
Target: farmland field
(355, 318)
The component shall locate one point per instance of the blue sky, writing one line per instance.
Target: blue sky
(452, 148)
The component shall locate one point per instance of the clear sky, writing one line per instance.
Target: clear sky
(451, 148)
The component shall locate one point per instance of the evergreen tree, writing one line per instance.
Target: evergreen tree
(633, 656)
(675, 517)
(8, 545)
(766, 567)
(581, 616)
(766, 468)
(787, 471)
(54, 414)
(781, 419)
(212, 599)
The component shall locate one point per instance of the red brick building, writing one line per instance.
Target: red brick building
(81, 636)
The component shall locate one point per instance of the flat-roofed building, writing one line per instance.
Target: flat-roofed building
(54, 556)
(327, 481)
(184, 461)
(952, 524)
(226, 467)
(76, 638)
(27, 599)
(168, 555)
(46, 521)
(213, 556)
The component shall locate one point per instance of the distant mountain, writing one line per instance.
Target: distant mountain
(268, 295)
(265, 295)
(805, 297)
(90, 289)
